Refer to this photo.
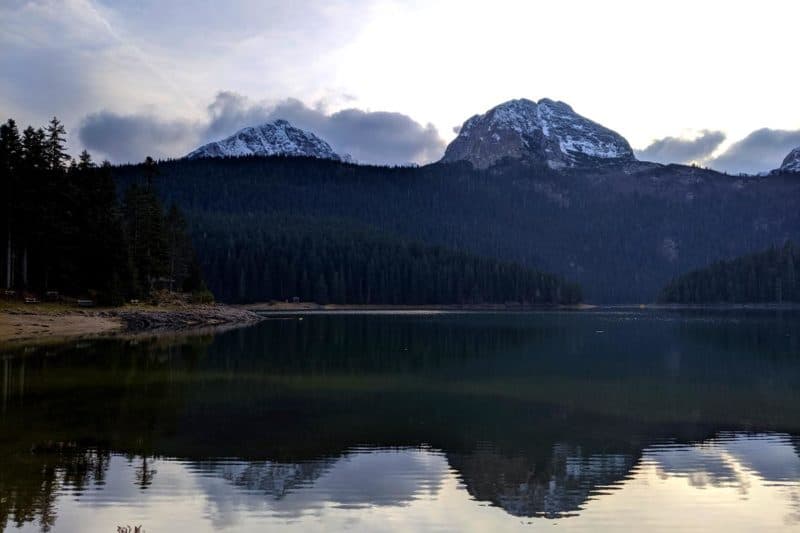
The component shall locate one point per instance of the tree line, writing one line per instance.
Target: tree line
(281, 257)
(771, 276)
(66, 231)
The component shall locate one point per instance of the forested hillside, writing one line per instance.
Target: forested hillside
(620, 232)
(260, 257)
(66, 233)
(772, 276)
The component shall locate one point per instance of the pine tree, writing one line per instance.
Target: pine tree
(85, 161)
(10, 168)
(179, 248)
(55, 145)
(147, 241)
(34, 196)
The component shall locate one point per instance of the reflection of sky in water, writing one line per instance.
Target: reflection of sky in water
(726, 459)
(729, 483)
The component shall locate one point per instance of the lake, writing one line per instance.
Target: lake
(592, 421)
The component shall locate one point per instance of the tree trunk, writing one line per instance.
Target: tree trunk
(5, 383)
(8, 258)
(171, 270)
(25, 268)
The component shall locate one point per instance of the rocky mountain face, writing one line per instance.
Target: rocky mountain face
(546, 132)
(792, 161)
(272, 138)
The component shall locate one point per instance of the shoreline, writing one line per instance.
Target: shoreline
(25, 323)
(40, 323)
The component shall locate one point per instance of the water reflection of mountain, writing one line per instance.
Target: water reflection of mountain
(535, 413)
(539, 486)
(359, 478)
(272, 479)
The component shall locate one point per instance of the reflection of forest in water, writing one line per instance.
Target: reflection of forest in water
(534, 412)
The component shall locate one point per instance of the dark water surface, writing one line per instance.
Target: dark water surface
(595, 421)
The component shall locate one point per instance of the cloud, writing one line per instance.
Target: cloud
(760, 151)
(387, 136)
(130, 138)
(378, 137)
(373, 136)
(231, 111)
(680, 150)
(64, 58)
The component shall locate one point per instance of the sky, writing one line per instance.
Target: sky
(390, 81)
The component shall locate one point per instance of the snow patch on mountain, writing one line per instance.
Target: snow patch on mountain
(272, 138)
(549, 132)
(792, 161)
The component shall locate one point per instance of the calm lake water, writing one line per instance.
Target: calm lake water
(592, 421)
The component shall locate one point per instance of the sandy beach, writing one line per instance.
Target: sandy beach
(48, 322)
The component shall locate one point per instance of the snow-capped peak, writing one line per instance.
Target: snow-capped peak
(272, 138)
(547, 131)
(792, 161)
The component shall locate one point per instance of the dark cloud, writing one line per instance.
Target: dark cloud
(760, 151)
(130, 138)
(383, 137)
(378, 137)
(230, 112)
(678, 150)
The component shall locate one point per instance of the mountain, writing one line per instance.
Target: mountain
(792, 161)
(546, 132)
(271, 138)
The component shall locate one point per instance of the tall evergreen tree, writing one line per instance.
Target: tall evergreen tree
(34, 196)
(144, 230)
(10, 168)
(55, 145)
(180, 255)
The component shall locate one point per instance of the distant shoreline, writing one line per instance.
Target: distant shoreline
(300, 307)
(283, 308)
